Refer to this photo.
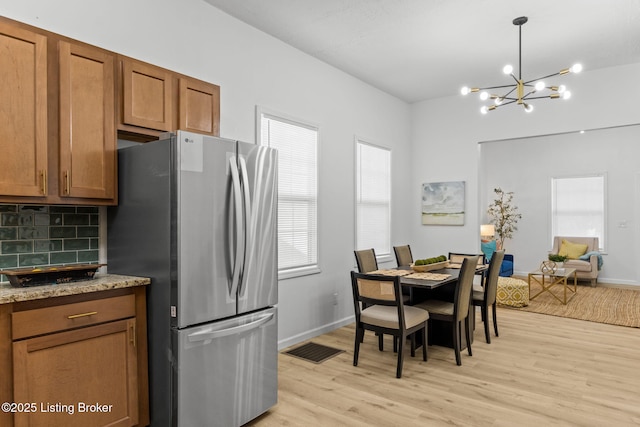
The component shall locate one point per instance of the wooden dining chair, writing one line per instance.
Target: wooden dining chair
(486, 297)
(457, 258)
(456, 312)
(366, 260)
(386, 314)
(403, 255)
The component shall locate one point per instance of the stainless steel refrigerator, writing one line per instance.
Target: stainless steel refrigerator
(197, 215)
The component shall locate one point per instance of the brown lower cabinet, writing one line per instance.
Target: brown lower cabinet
(77, 361)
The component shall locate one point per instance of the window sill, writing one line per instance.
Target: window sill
(298, 272)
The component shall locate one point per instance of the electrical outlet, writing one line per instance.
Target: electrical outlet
(335, 298)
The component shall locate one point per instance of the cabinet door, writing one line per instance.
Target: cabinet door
(87, 122)
(67, 372)
(147, 95)
(199, 107)
(23, 112)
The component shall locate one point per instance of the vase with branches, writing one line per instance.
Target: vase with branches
(504, 215)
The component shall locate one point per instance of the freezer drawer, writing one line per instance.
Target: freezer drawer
(226, 372)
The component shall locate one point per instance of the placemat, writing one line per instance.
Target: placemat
(428, 276)
(391, 272)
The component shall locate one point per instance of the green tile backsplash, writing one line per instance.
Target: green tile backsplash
(47, 235)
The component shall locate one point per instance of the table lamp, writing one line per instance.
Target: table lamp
(487, 231)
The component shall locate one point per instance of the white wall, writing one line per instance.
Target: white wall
(446, 133)
(191, 37)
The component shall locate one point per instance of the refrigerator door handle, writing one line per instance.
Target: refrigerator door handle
(239, 258)
(247, 215)
(210, 335)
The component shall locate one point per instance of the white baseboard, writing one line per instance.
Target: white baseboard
(288, 342)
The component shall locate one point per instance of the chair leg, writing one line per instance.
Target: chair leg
(380, 341)
(467, 334)
(395, 344)
(485, 317)
(413, 345)
(402, 339)
(495, 319)
(424, 342)
(456, 342)
(356, 350)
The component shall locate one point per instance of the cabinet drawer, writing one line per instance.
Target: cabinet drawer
(68, 316)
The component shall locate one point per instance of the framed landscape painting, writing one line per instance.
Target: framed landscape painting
(443, 203)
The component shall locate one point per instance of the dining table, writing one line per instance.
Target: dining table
(435, 284)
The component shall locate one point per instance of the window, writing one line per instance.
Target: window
(578, 207)
(373, 198)
(297, 145)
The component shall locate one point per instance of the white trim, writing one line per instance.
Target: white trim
(365, 141)
(605, 227)
(298, 272)
(283, 117)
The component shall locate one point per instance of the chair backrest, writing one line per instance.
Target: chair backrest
(366, 260)
(370, 289)
(403, 255)
(491, 283)
(463, 287)
(457, 258)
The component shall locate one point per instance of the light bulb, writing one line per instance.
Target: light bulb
(528, 108)
(484, 109)
(576, 68)
(465, 90)
(566, 94)
(484, 96)
(498, 101)
(508, 69)
(561, 88)
(540, 86)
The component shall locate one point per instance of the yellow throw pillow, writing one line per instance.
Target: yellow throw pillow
(572, 250)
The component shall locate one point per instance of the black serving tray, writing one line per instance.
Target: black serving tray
(50, 275)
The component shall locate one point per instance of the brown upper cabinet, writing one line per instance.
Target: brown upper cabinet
(199, 106)
(87, 122)
(23, 112)
(154, 100)
(64, 103)
(57, 120)
(147, 96)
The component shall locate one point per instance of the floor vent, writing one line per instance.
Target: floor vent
(312, 352)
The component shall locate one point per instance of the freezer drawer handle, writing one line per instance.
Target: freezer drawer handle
(209, 335)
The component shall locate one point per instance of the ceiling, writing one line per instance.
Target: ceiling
(424, 49)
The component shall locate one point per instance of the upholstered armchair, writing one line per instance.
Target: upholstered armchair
(582, 253)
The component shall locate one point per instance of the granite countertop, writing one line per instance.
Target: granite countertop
(101, 282)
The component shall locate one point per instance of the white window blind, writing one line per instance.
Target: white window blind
(373, 198)
(578, 207)
(297, 146)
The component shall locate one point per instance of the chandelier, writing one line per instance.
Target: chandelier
(521, 92)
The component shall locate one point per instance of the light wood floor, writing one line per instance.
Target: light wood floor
(541, 371)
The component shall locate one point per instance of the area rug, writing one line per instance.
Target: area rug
(615, 306)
